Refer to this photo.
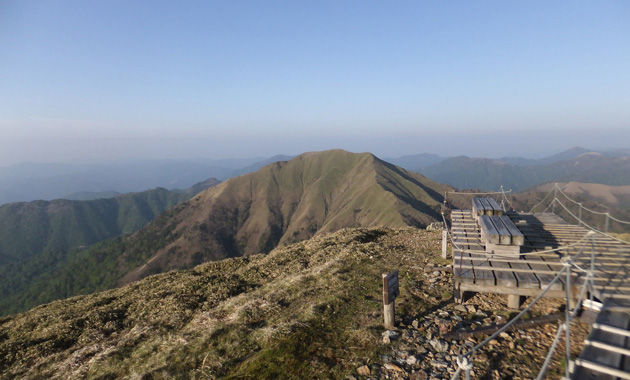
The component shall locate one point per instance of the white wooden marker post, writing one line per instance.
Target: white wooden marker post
(390, 292)
(444, 242)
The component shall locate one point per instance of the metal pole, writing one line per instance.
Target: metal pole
(444, 242)
(580, 213)
(555, 194)
(590, 274)
(606, 226)
(567, 316)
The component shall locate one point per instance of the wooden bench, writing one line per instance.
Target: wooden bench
(500, 235)
(485, 206)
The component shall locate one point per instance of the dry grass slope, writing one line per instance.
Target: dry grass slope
(309, 309)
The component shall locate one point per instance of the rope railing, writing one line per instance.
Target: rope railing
(464, 362)
(541, 202)
(478, 193)
(509, 201)
(501, 192)
(587, 225)
(588, 209)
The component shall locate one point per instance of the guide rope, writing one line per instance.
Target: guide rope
(588, 209)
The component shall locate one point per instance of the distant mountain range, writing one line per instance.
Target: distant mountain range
(577, 164)
(416, 162)
(281, 203)
(32, 181)
(36, 236)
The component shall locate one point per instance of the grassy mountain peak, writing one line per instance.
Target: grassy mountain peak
(288, 201)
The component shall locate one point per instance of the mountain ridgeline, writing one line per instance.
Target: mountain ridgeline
(36, 237)
(279, 204)
(488, 174)
(29, 228)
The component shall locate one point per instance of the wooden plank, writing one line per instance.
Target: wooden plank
(505, 237)
(546, 271)
(488, 210)
(477, 207)
(517, 236)
(523, 279)
(461, 259)
(560, 283)
(533, 259)
(488, 230)
(483, 272)
(479, 264)
(498, 210)
(503, 274)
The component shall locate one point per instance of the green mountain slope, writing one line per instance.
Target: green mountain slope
(281, 203)
(28, 228)
(38, 237)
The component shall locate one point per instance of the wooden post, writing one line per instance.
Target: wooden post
(514, 301)
(390, 292)
(444, 242)
(389, 316)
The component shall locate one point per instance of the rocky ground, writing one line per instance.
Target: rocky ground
(419, 351)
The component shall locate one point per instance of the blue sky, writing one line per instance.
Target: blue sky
(103, 80)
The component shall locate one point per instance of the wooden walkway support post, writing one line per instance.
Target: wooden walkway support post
(444, 242)
(514, 301)
(390, 292)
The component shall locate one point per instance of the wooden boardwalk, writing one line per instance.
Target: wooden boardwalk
(607, 350)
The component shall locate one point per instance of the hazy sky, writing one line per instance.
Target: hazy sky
(103, 80)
